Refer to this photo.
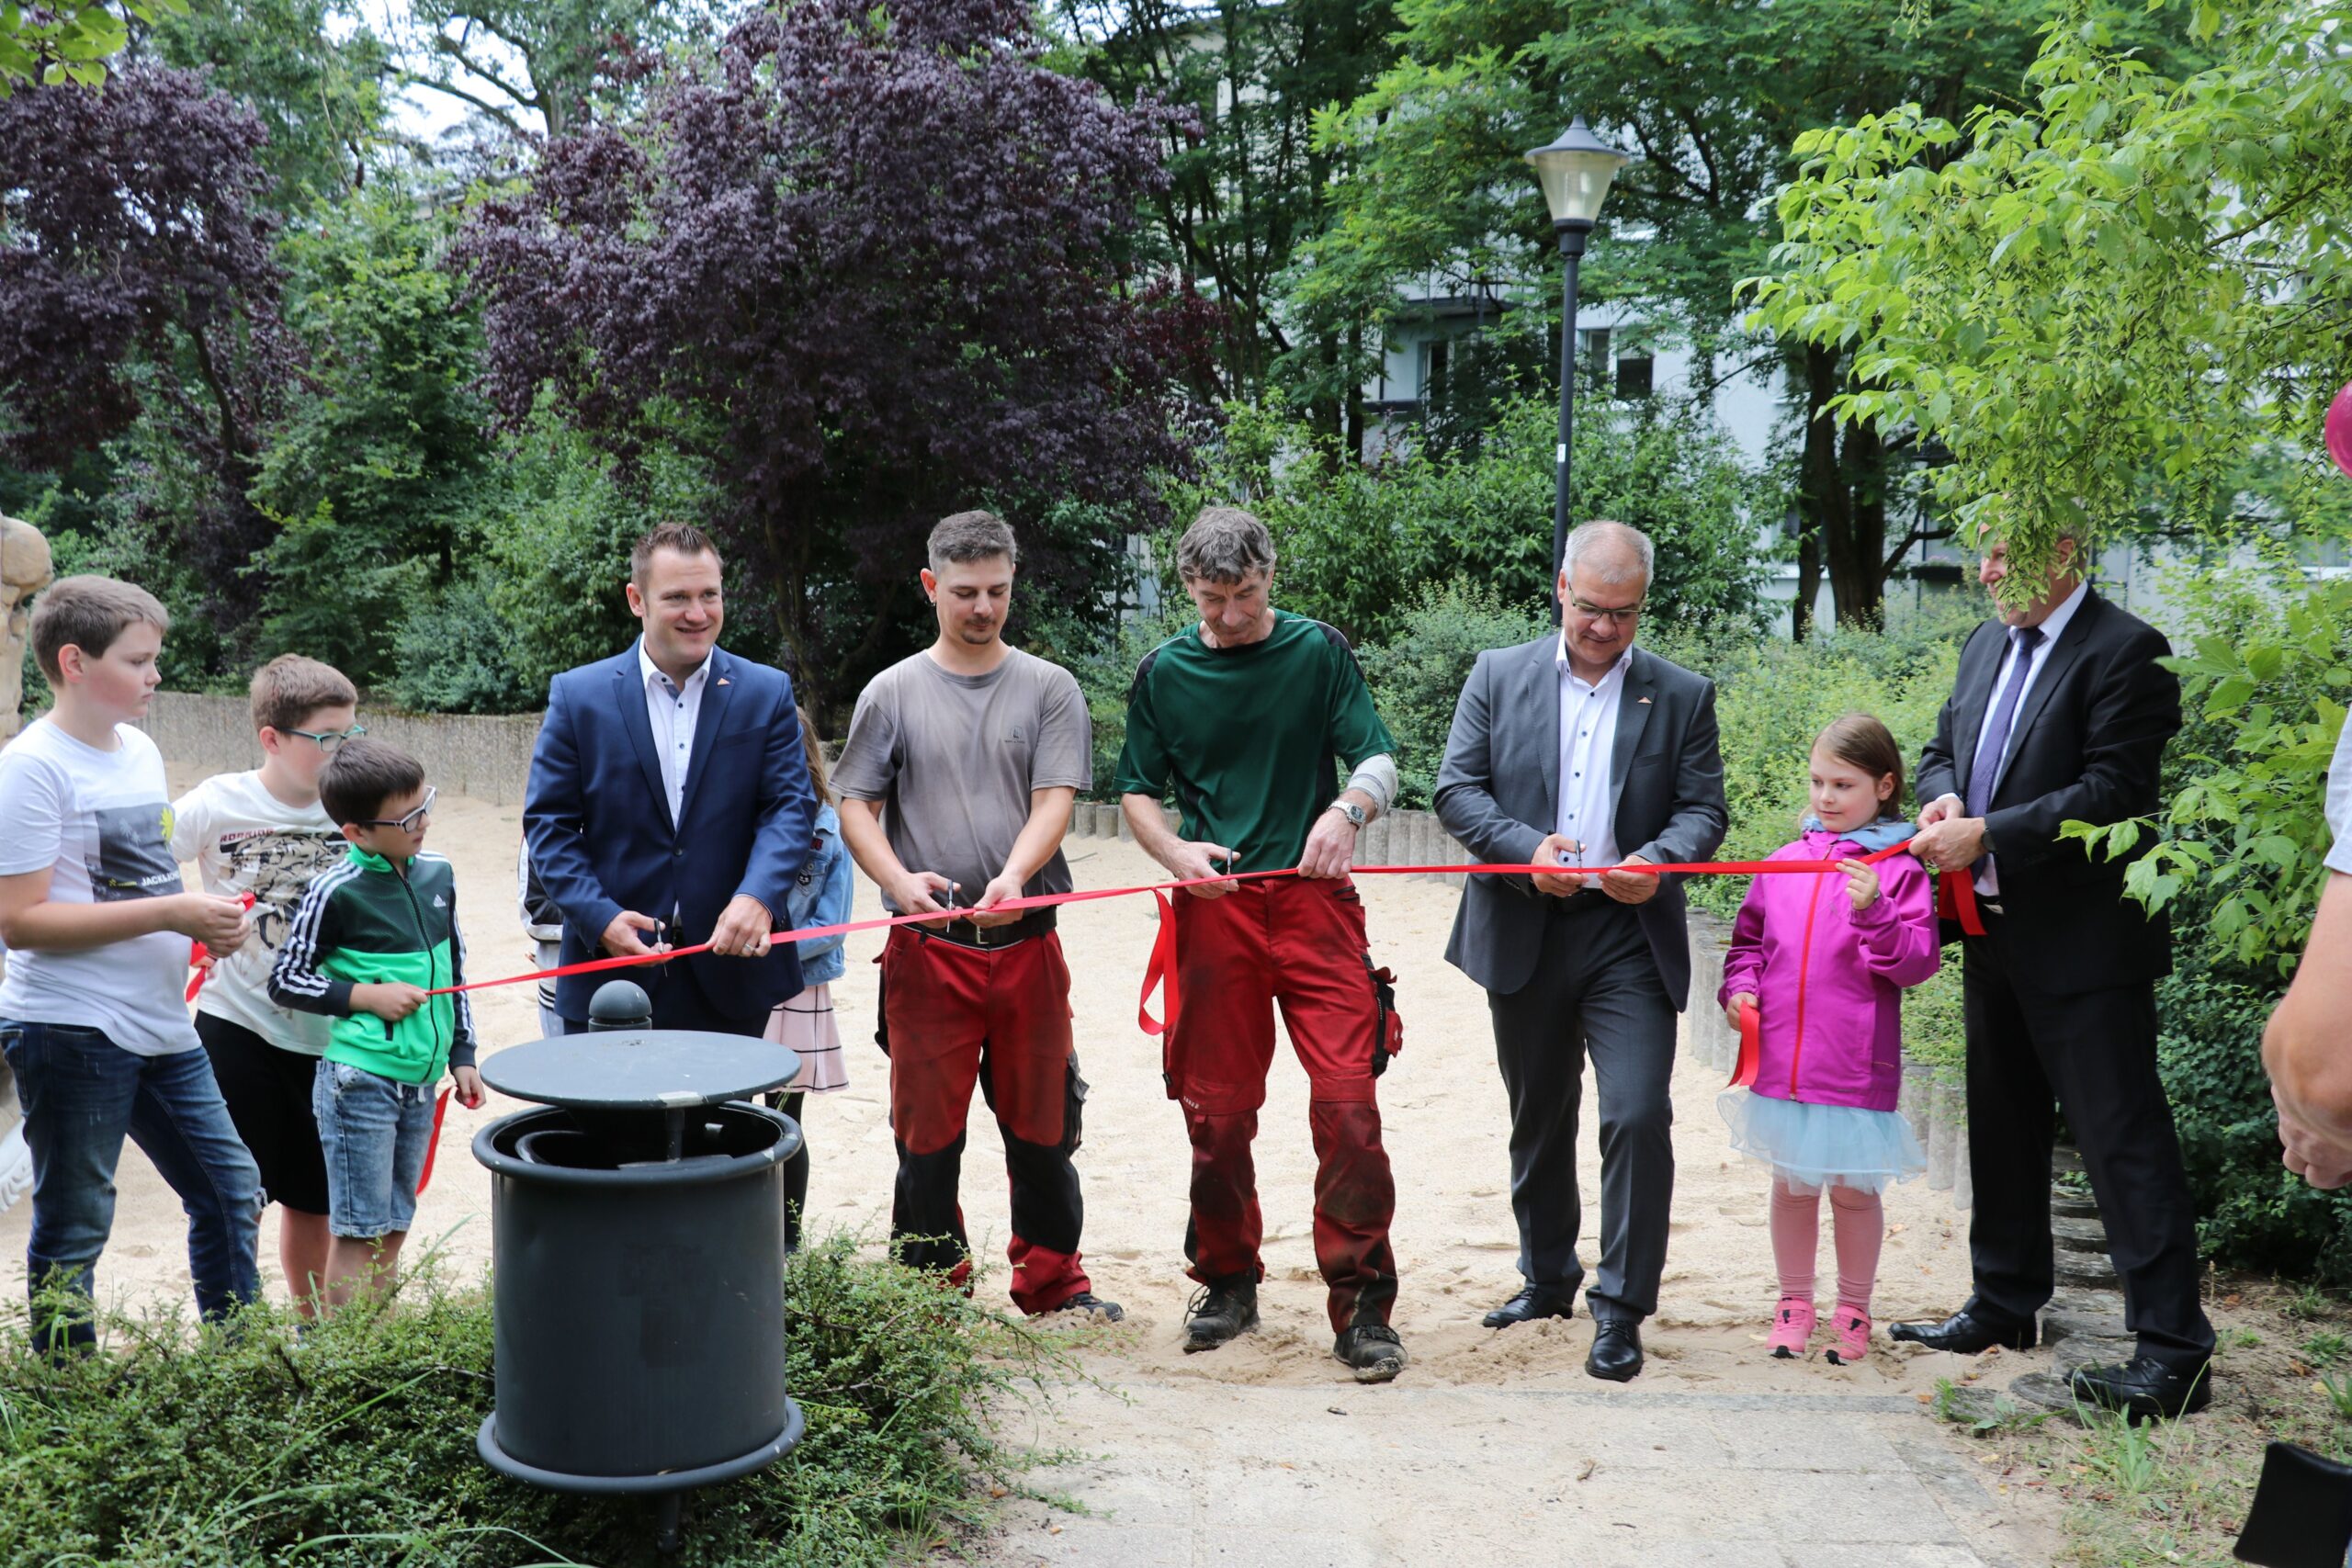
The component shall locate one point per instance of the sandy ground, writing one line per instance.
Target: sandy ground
(1446, 1132)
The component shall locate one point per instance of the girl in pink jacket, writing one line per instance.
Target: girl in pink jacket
(1823, 960)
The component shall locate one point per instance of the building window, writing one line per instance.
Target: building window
(1634, 373)
(1433, 358)
(1593, 343)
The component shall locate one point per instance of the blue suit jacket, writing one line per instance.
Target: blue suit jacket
(601, 839)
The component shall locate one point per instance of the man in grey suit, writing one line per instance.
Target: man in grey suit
(1580, 750)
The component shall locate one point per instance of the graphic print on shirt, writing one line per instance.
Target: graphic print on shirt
(133, 857)
(275, 865)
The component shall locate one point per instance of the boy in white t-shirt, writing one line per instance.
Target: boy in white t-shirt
(93, 1016)
(265, 834)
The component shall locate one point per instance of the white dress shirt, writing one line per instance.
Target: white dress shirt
(2052, 628)
(1588, 747)
(672, 710)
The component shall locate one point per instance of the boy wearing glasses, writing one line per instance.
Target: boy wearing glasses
(374, 936)
(261, 837)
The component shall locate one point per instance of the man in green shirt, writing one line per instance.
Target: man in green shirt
(1246, 717)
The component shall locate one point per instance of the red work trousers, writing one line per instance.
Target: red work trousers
(1299, 942)
(956, 1016)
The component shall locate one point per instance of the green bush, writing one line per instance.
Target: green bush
(355, 1445)
(1773, 697)
(1417, 677)
(1359, 546)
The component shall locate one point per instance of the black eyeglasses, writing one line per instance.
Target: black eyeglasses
(1620, 615)
(408, 822)
(328, 739)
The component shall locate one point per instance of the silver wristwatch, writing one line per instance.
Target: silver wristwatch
(1350, 810)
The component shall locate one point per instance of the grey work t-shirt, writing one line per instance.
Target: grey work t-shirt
(953, 758)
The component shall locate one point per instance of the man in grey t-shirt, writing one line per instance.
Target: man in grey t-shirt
(957, 781)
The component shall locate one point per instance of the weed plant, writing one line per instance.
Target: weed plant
(354, 1444)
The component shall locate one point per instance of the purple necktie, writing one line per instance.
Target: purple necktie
(1987, 766)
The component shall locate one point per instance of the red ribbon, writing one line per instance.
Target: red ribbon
(440, 1108)
(199, 959)
(1751, 1049)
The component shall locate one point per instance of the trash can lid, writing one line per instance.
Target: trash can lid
(640, 1070)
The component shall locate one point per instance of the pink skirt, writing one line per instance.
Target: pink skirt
(805, 1024)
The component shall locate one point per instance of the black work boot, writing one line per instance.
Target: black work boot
(1373, 1349)
(1220, 1311)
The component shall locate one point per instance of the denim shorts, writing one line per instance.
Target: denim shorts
(375, 1133)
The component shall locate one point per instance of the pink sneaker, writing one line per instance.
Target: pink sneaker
(1792, 1327)
(1853, 1327)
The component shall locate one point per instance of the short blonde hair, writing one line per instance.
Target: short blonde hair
(288, 689)
(89, 613)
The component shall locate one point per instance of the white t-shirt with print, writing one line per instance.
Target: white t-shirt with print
(244, 839)
(103, 821)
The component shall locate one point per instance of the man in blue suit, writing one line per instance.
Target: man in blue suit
(670, 804)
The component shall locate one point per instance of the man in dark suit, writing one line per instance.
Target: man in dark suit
(670, 804)
(1581, 749)
(2060, 713)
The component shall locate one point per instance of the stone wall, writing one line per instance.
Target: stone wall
(485, 756)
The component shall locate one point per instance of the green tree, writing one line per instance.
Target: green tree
(61, 41)
(2099, 304)
(1714, 94)
(309, 70)
(376, 475)
(534, 67)
(1249, 182)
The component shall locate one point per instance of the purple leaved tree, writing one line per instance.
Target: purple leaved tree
(138, 278)
(870, 268)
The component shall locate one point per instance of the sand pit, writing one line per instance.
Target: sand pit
(1446, 1130)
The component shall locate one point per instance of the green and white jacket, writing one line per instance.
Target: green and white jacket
(362, 922)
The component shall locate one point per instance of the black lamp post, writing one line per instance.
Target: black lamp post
(1574, 171)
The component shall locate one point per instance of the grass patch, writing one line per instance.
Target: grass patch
(354, 1446)
(2178, 1492)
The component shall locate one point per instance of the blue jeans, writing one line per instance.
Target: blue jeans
(82, 1093)
(375, 1131)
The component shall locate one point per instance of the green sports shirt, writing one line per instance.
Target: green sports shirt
(1250, 737)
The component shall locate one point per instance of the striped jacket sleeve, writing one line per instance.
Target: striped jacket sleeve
(295, 981)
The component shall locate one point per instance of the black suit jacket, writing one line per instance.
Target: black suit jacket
(1498, 792)
(2088, 745)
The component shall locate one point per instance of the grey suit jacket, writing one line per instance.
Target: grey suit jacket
(1498, 794)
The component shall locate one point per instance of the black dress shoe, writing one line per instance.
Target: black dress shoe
(1531, 1304)
(1616, 1352)
(1965, 1333)
(2144, 1388)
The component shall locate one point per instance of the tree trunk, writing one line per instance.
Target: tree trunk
(1823, 499)
(1858, 553)
(1354, 400)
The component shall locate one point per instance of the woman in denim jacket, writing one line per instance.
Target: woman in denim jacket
(805, 1022)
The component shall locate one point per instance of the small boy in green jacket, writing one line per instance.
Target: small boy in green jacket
(373, 936)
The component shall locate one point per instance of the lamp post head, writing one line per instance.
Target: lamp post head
(1575, 170)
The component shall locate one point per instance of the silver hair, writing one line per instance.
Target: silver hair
(1224, 543)
(1602, 537)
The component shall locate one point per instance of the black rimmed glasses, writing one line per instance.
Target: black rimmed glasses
(1616, 615)
(407, 822)
(328, 739)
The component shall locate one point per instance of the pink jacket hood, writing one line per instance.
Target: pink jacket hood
(1829, 980)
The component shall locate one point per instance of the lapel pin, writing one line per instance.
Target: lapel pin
(722, 681)
(1642, 702)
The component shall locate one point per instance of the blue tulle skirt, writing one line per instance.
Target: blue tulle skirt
(1811, 1146)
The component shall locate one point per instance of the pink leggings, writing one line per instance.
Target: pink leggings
(1860, 1222)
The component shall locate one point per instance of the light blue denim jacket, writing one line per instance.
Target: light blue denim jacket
(821, 896)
